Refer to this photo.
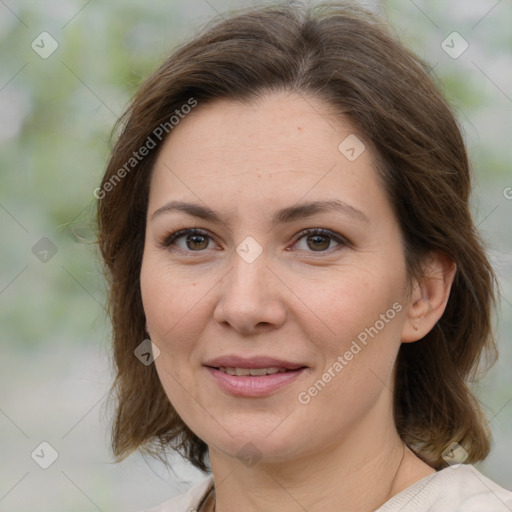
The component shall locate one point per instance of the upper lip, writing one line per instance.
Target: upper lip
(256, 362)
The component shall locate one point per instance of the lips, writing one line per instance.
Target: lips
(252, 363)
(253, 377)
(252, 371)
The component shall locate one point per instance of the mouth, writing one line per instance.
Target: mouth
(239, 364)
(255, 372)
(254, 377)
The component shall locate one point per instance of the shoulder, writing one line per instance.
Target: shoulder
(187, 501)
(458, 488)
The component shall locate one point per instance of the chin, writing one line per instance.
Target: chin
(251, 448)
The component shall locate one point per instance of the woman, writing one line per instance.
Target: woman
(285, 216)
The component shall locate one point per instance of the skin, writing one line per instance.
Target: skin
(297, 301)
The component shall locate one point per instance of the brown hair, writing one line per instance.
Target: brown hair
(346, 56)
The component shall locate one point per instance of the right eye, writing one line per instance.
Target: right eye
(191, 240)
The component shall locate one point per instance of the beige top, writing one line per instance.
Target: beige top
(458, 488)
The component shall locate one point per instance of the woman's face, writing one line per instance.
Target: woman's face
(255, 287)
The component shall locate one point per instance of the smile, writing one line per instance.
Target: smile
(253, 382)
(251, 371)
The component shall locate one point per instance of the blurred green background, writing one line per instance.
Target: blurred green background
(56, 114)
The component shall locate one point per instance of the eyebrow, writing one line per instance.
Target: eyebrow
(288, 214)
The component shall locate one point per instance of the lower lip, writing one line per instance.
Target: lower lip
(253, 386)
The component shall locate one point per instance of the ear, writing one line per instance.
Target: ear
(429, 297)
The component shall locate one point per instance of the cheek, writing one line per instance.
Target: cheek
(166, 297)
(156, 299)
(176, 307)
(363, 310)
(173, 322)
(163, 312)
(357, 361)
(348, 301)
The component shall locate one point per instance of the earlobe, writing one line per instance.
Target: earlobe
(429, 297)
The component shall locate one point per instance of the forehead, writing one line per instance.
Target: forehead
(281, 147)
(275, 124)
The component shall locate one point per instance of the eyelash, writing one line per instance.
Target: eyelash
(168, 240)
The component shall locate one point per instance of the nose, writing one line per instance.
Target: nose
(250, 297)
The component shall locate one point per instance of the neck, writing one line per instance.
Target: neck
(359, 473)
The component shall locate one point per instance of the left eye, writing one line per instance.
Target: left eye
(319, 240)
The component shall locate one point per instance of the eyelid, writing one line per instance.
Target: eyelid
(168, 239)
(326, 232)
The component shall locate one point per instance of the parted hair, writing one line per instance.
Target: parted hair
(348, 57)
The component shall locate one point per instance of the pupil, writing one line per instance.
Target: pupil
(194, 240)
(317, 238)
